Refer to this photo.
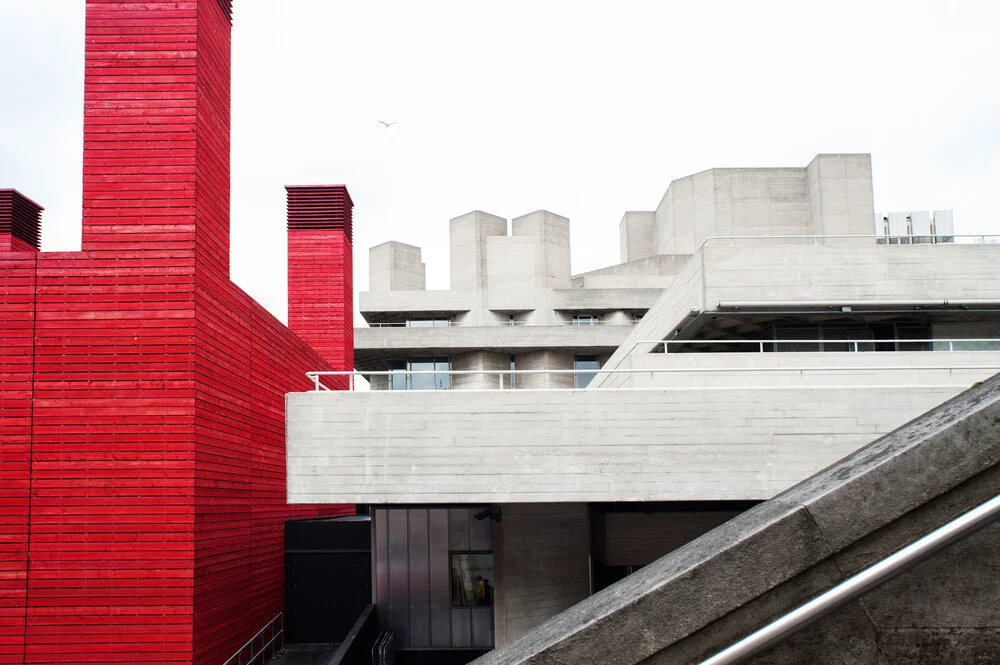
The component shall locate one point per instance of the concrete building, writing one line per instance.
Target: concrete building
(552, 433)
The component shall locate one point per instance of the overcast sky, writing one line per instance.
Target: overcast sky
(584, 109)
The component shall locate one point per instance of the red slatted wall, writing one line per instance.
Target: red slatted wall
(320, 289)
(17, 288)
(143, 392)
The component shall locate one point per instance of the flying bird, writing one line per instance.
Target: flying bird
(388, 124)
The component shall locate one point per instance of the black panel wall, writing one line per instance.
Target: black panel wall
(328, 579)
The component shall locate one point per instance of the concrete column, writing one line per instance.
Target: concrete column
(544, 360)
(479, 360)
(542, 564)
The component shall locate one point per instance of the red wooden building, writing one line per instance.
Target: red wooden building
(142, 468)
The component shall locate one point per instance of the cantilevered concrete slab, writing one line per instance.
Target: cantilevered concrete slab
(704, 596)
(525, 446)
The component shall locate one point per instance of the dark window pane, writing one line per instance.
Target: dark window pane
(472, 579)
(582, 379)
(797, 339)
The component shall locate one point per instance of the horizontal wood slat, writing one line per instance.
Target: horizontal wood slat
(142, 430)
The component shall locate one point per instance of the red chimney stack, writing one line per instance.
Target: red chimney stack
(320, 288)
(20, 222)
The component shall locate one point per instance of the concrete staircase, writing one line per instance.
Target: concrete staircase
(704, 596)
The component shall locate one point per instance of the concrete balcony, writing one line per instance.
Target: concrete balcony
(375, 346)
(728, 439)
(419, 302)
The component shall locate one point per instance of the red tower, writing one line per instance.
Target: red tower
(320, 291)
(142, 486)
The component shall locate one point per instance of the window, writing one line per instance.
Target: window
(440, 380)
(584, 363)
(513, 377)
(471, 578)
(397, 381)
(637, 318)
(586, 320)
(511, 321)
(429, 322)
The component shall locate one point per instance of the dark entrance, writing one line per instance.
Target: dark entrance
(328, 579)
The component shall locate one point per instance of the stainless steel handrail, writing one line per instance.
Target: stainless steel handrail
(501, 373)
(762, 344)
(237, 658)
(945, 238)
(854, 587)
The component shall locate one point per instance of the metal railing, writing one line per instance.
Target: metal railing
(269, 637)
(858, 585)
(505, 324)
(383, 651)
(853, 345)
(889, 240)
(800, 372)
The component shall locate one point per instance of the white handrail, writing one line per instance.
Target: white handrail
(315, 376)
(762, 344)
(944, 237)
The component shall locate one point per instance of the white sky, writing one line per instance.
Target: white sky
(586, 110)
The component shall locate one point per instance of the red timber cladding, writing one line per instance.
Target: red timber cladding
(141, 107)
(112, 461)
(17, 324)
(152, 386)
(20, 222)
(320, 288)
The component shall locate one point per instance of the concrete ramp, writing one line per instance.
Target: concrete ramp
(706, 595)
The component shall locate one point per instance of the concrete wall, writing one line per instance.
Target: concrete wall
(637, 235)
(841, 201)
(542, 560)
(832, 195)
(395, 266)
(579, 445)
(551, 232)
(722, 202)
(865, 369)
(468, 236)
(513, 267)
(654, 272)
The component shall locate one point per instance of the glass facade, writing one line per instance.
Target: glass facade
(440, 380)
(586, 320)
(582, 378)
(429, 322)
